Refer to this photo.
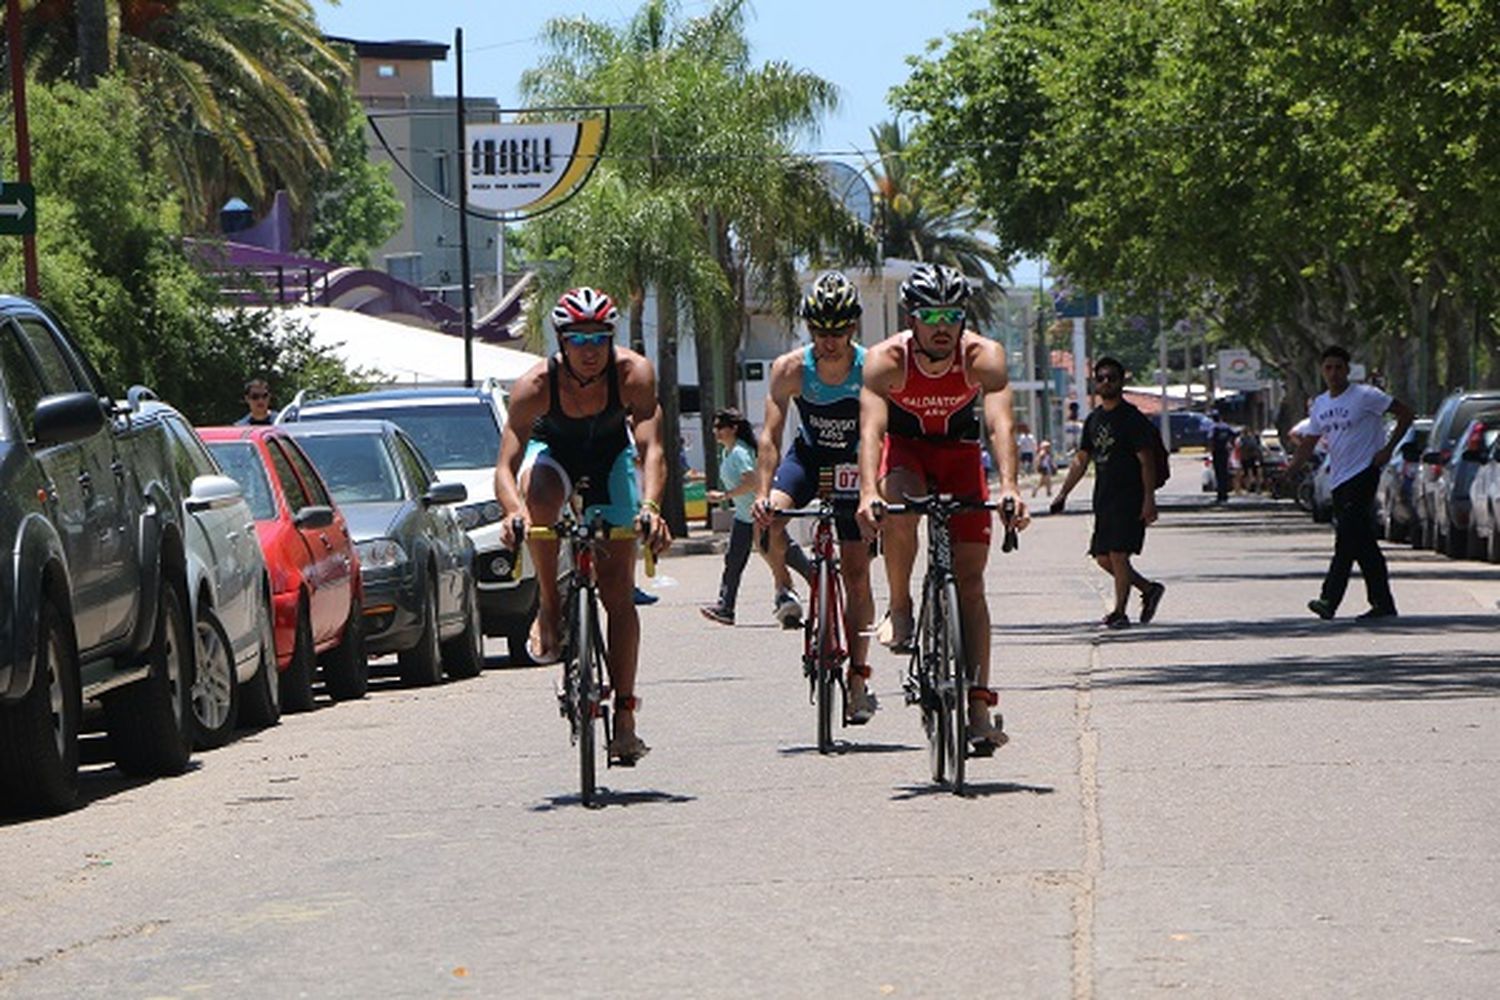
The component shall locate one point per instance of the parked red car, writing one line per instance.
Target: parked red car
(314, 569)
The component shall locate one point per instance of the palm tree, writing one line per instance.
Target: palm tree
(913, 227)
(701, 188)
(226, 83)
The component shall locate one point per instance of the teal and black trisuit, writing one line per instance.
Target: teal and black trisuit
(828, 437)
(594, 454)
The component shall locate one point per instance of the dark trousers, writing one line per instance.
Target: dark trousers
(741, 537)
(1222, 480)
(1355, 542)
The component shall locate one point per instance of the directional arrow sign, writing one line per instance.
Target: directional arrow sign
(17, 210)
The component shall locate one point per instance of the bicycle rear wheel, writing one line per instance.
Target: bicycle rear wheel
(955, 677)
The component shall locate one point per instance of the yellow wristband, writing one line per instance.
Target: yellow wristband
(651, 505)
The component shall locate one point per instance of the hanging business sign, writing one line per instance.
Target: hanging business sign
(520, 169)
(1238, 369)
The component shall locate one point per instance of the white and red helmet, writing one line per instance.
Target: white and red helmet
(584, 305)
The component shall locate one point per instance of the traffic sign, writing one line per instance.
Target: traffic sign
(17, 209)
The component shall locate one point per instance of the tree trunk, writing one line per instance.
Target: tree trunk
(704, 336)
(667, 386)
(638, 320)
(93, 41)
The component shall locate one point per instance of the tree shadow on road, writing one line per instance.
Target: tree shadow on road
(1443, 626)
(972, 790)
(604, 797)
(1396, 676)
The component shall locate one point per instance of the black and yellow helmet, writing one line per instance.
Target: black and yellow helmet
(832, 303)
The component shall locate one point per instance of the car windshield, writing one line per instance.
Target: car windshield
(452, 436)
(356, 467)
(241, 462)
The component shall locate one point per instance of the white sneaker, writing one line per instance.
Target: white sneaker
(788, 609)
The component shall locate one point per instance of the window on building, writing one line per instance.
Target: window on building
(440, 173)
(386, 71)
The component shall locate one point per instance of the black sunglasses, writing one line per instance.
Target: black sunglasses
(1107, 376)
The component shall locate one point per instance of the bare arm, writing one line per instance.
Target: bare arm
(1305, 445)
(1076, 470)
(1404, 417)
(988, 366)
(786, 379)
(881, 372)
(638, 393)
(1147, 458)
(527, 402)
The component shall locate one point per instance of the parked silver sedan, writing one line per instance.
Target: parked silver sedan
(1484, 510)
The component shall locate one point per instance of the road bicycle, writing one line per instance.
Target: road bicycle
(824, 653)
(938, 674)
(583, 693)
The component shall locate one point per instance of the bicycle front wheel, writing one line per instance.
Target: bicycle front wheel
(931, 652)
(587, 693)
(825, 658)
(954, 684)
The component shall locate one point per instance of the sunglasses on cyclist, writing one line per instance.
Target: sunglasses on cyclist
(588, 339)
(943, 316)
(831, 331)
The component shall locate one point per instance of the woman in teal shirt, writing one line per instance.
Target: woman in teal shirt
(737, 477)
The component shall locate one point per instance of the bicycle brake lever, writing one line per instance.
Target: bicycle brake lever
(1008, 516)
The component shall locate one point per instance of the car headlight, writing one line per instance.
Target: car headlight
(381, 553)
(476, 515)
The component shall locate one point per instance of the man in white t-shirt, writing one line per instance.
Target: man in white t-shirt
(1351, 419)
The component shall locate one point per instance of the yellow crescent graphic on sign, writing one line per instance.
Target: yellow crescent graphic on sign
(586, 152)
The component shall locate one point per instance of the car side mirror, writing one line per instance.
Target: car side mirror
(66, 417)
(1475, 455)
(213, 491)
(314, 516)
(1411, 452)
(445, 493)
(1432, 457)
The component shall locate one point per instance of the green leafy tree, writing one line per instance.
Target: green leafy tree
(701, 190)
(112, 267)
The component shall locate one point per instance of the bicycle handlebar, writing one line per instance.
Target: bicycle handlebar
(948, 504)
(592, 530)
(822, 509)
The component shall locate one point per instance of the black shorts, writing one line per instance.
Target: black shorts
(1116, 531)
(797, 476)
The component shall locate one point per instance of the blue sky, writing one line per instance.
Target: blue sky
(860, 47)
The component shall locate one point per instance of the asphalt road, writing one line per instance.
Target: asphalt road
(1238, 800)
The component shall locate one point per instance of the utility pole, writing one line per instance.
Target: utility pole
(463, 213)
(17, 55)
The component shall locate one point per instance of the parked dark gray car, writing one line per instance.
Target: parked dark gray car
(95, 602)
(416, 561)
(1452, 416)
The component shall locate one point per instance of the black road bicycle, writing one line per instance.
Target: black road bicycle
(939, 673)
(583, 694)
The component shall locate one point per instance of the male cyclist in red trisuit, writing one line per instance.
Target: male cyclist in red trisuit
(919, 434)
(567, 430)
(823, 380)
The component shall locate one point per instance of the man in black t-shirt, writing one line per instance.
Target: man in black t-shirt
(1220, 441)
(1117, 438)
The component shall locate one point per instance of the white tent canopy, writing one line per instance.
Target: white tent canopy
(408, 354)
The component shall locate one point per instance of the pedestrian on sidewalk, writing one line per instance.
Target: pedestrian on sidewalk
(1220, 439)
(738, 446)
(1350, 418)
(1046, 468)
(1121, 442)
(1026, 446)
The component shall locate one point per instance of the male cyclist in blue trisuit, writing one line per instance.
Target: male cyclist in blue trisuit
(824, 380)
(568, 429)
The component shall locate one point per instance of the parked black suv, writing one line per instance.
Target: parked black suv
(93, 601)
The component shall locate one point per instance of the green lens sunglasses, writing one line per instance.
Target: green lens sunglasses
(945, 316)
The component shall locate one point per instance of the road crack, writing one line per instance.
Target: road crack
(57, 954)
(1093, 847)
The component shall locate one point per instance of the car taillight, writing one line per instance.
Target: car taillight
(1476, 438)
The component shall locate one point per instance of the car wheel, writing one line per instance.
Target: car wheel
(215, 694)
(463, 655)
(39, 734)
(260, 701)
(297, 679)
(346, 668)
(150, 722)
(423, 663)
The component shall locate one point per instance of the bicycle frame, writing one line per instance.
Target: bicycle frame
(938, 673)
(824, 652)
(584, 693)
